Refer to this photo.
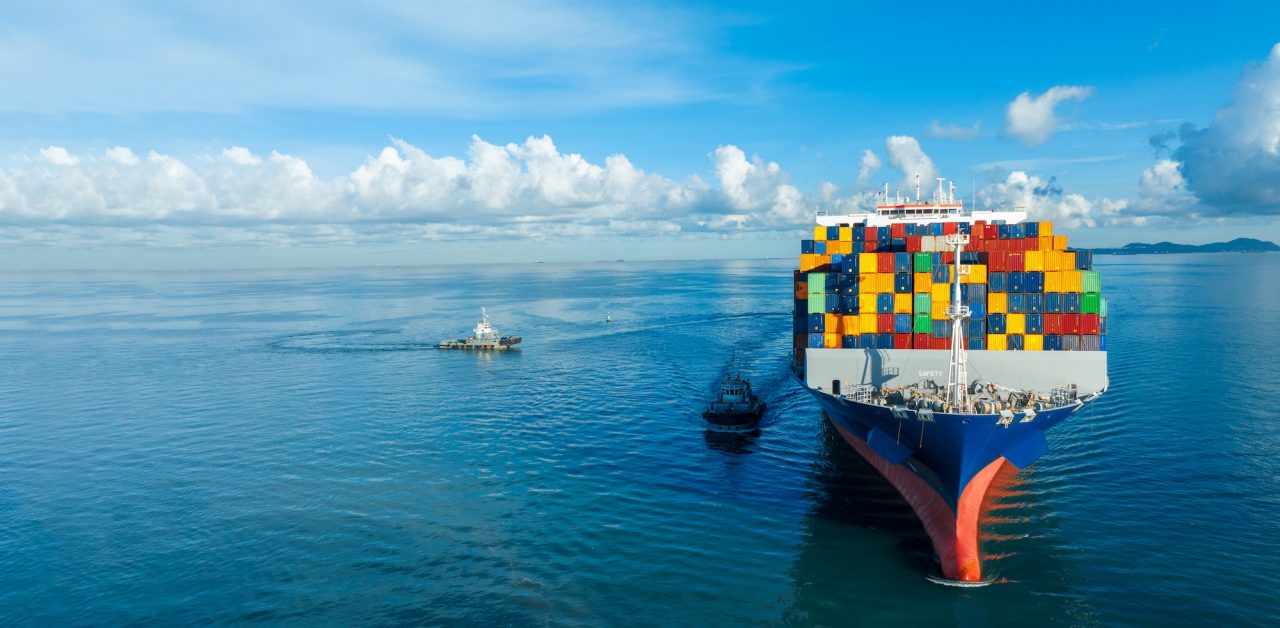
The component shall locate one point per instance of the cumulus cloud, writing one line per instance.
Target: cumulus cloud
(937, 130)
(1044, 199)
(868, 165)
(1031, 119)
(530, 189)
(1233, 165)
(906, 155)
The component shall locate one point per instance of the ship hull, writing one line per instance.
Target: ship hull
(943, 467)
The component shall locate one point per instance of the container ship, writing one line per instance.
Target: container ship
(942, 344)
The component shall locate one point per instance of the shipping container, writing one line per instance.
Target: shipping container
(1014, 342)
(1032, 342)
(851, 342)
(884, 303)
(831, 341)
(941, 329)
(996, 323)
(922, 323)
(922, 282)
(1015, 324)
(902, 323)
(1090, 303)
(884, 323)
(1033, 303)
(997, 303)
(1035, 323)
(816, 340)
(1016, 302)
(922, 263)
(902, 303)
(1052, 342)
(1071, 302)
(996, 342)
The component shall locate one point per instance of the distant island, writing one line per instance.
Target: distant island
(1238, 245)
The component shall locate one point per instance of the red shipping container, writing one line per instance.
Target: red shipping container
(995, 262)
(869, 234)
(869, 247)
(1071, 323)
(948, 258)
(898, 230)
(1014, 262)
(978, 230)
(1053, 323)
(921, 341)
(942, 343)
(948, 228)
(1032, 244)
(993, 232)
(913, 244)
(1089, 324)
(884, 264)
(902, 341)
(884, 323)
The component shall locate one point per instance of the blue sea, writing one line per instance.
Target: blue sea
(289, 447)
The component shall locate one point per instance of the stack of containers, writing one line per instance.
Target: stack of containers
(861, 287)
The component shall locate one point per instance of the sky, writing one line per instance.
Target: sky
(230, 134)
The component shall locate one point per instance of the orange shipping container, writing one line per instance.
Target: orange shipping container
(802, 290)
(922, 282)
(1060, 242)
(1046, 243)
(832, 322)
(831, 341)
(1068, 260)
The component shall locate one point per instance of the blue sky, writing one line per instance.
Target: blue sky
(299, 133)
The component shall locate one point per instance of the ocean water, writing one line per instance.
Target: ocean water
(289, 447)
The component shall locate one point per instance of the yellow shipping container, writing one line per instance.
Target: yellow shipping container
(866, 284)
(922, 282)
(808, 262)
(941, 293)
(832, 323)
(977, 273)
(997, 302)
(938, 311)
(819, 233)
(1045, 243)
(1053, 281)
(1053, 261)
(1033, 260)
(846, 234)
(996, 342)
(1073, 281)
(1046, 228)
(867, 322)
(1060, 242)
(1033, 342)
(1015, 323)
(902, 303)
(1068, 260)
(867, 304)
(866, 262)
(886, 282)
(831, 341)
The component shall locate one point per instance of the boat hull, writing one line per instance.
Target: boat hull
(943, 467)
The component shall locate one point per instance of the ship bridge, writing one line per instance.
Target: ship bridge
(944, 207)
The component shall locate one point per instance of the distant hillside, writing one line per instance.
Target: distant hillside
(1238, 245)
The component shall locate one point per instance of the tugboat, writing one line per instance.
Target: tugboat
(735, 405)
(486, 338)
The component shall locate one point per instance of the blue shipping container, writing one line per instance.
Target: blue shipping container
(1052, 342)
(815, 341)
(1034, 303)
(820, 248)
(1014, 342)
(901, 323)
(1070, 305)
(1053, 302)
(1035, 323)
(833, 233)
(1033, 281)
(902, 262)
(1016, 303)
(806, 247)
(817, 323)
(884, 303)
(884, 341)
(851, 342)
(1016, 282)
(977, 343)
(995, 324)
(902, 283)
(941, 329)
(975, 329)
(978, 310)
(1032, 229)
(998, 282)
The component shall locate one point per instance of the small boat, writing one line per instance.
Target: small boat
(735, 405)
(486, 338)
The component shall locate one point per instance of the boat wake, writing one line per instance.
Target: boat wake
(961, 583)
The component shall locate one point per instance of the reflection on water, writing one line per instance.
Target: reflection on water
(731, 442)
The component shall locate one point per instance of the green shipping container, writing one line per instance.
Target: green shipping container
(1091, 303)
(923, 324)
(817, 285)
(1102, 309)
(924, 262)
(924, 301)
(817, 303)
(1090, 281)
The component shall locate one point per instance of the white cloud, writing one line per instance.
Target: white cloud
(906, 155)
(1032, 119)
(1045, 200)
(1233, 165)
(937, 130)
(867, 166)
(526, 190)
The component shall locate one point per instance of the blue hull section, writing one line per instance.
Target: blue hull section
(949, 451)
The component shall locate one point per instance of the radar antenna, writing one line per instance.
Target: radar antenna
(958, 373)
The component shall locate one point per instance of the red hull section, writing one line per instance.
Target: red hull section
(954, 534)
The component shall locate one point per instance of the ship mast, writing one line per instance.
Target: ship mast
(958, 372)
